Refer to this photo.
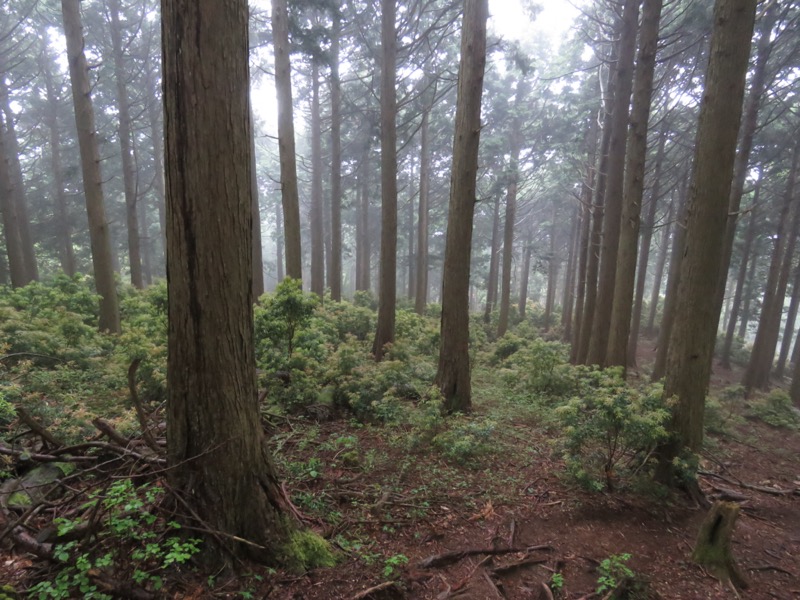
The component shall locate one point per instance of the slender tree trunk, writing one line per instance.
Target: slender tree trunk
(674, 227)
(90, 162)
(453, 375)
(286, 144)
(335, 279)
(750, 285)
(315, 218)
(11, 227)
(585, 233)
(508, 243)
(410, 231)
(671, 292)
(387, 274)
(633, 188)
(279, 242)
(750, 236)
(421, 298)
(760, 365)
(644, 254)
(18, 195)
(60, 213)
(144, 228)
(794, 389)
(156, 135)
(601, 324)
(126, 147)
(693, 335)
(526, 270)
(218, 455)
(363, 250)
(255, 208)
(596, 237)
(494, 263)
(788, 331)
(568, 297)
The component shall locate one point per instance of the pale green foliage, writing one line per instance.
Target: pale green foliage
(776, 409)
(611, 433)
(307, 550)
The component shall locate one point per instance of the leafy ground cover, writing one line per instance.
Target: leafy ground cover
(543, 492)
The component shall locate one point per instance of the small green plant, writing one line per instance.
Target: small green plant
(613, 572)
(776, 409)
(392, 565)
(557, 583)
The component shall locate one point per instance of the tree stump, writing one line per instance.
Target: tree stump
(713, 547)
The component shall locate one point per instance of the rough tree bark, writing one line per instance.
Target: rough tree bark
(694, 333)
(90, 164)
(335, 278)
(286, 148)
(453, 375)
(316, 213)
(633, 188)
(387, 273)
(421, 297)
(217, 451)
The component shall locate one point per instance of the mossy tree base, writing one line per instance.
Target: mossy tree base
(713, 547)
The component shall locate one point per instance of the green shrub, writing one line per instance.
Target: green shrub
(610, 435)
(776, 409)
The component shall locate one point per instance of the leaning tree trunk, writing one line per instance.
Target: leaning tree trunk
(102, 258)
(453, 375)
(788, 331)
(387, 273)
(694, 333)
(219, 459)
(286, 145)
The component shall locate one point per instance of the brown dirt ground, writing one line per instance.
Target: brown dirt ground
(418, 506)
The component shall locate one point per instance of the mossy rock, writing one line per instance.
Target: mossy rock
(306, 550)
(33, 487)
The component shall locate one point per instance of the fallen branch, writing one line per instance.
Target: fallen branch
(110, 432)
(755, 488)
(44, 457)
(146, 435)
(36, 427)
(448, 558)
(505, 569)
(376, 588)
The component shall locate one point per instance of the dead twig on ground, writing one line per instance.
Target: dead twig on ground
(448, 558)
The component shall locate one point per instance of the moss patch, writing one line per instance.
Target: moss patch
(307, 550)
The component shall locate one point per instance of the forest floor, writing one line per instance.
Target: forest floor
(509, 524)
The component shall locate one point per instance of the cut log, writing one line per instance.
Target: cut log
(713, 547)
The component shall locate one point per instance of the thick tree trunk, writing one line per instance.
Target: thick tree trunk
(335, 279)
(90, 163)
(453, 375)
(633, 189)
(315, 217)
(725, 354)
(387, 273)
(421, 297)
(760, 365)
(11, 227)
(218, 456)
(694, 334)
(712, 549)
(126, 147)
(286, 144)
(601, 323)
(18, 195)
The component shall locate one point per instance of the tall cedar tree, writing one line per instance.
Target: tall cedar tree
(90, 164)
(633, 190)
(694, 331)
(387, 275)
(453, 375)
(218, 455)
(335, 279)
(290, 196)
